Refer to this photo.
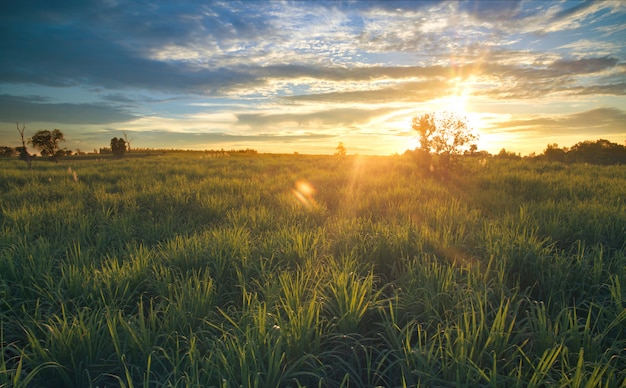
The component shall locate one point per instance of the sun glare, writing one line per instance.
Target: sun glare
(458, 104)
(455, 103)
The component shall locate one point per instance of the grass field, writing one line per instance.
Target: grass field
(269, 270)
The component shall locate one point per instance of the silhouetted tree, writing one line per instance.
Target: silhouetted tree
(341, 149)
(47, 142)
(24, 155)
(118, 146)
(443, 133)
(599, 152)
(554, 154)
(504, 154)
(127, 142)
(7, 152)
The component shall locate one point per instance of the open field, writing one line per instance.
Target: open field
(273, 270)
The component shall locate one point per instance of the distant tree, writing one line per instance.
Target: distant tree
(24, 155)
(341, 149)
(127, 142)
(47, 142)
(554, 154)
(63, 152)
(118, 146)
(597, 152)
(504, 154)
(7, 152)
(443, 133)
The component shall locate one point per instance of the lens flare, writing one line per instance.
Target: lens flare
(305, 193)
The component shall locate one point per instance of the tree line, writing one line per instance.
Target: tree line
(47, 142)
(600, 151)
(443, 136)
(448, 134)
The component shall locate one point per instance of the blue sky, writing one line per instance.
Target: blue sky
(303, 76)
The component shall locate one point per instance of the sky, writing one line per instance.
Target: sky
(302, 76)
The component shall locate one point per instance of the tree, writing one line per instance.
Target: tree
(7, 152)
(118, 146)
(554, 154)
(24, 155)
(504, 154)
(425, 127)
(341, 149)
(443, 133)
(600, 151)
(127, 142)
(47, 142)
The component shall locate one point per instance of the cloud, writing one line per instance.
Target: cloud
(217, 48)
(578, 11)
(34, 109)
(558, 76)
(612, 89)
(329, 117)
(600, 121)
(420, 91)
(582, 66)
(488, 10)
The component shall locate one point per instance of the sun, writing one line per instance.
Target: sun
(456, 104)
(460, 104)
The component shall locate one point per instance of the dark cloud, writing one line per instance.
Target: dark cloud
(22, 109)
(89, 61)
(120, 98)
(582, 66)
(55, 12)
(571, 11)
(74, 44)
(611, 119)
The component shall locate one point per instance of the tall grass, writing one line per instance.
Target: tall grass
(188, 271)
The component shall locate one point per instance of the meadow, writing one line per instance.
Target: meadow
(319, 271)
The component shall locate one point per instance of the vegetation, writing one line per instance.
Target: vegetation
(7, 152)
(23, 151)
(341, 149)
(594, 152)
(118, 146)
(47, 142)
(443, 133)
(267, 270)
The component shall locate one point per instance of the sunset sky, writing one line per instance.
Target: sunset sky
(303, 76)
